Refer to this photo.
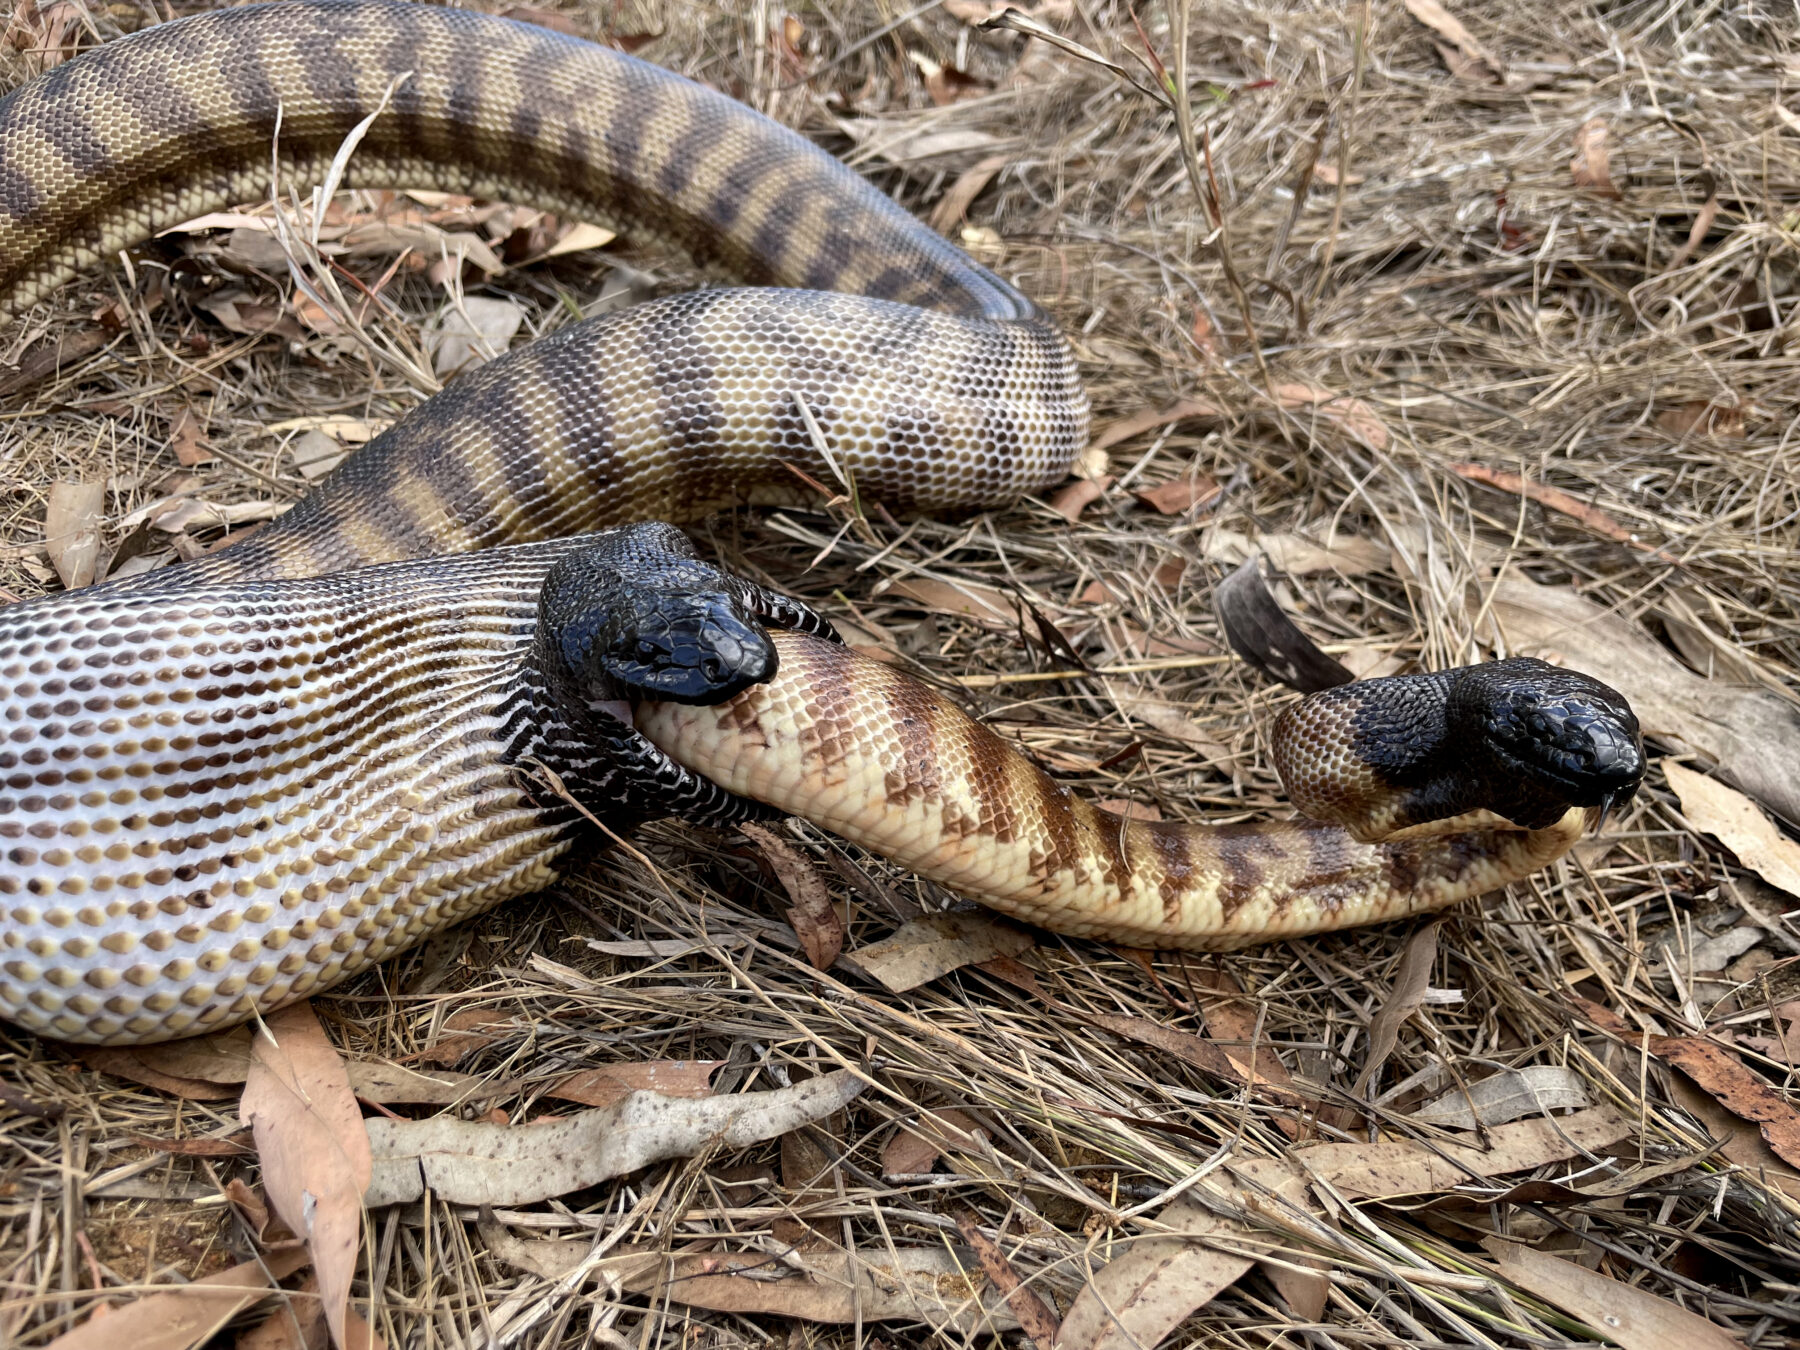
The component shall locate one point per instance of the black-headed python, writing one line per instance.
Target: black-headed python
(229, 785)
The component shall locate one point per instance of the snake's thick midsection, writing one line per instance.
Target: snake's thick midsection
(228, 796)
(937, 383)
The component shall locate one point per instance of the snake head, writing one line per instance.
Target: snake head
(1552, 738)
(697, 646)
(635, 615)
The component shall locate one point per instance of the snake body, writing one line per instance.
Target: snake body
(937, 384)
(854, 745)
(228, 785)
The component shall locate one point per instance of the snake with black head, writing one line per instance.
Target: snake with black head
(228, 785)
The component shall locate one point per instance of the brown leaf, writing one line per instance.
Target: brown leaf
(1393, 1168)
(923, 949)
(50, 360)
(195, 1148)
(185, 1317)
(909, 1284)
(1561, 502)
(1703, 416)
(1127, 809)
(126, 1064)
(975, 12)
(1138, 1299)
(1205, 1055)
(1177, 725)
(1740, 1141)
(1703, 221)
(814, 918)
(916, 1145)
(1352, 414)
(313, 1145)
(223, 1057)
(1447, 26)
(1071, 501)
(473, 333)
(1410, 984)
(1738, 1088)
(1098, 593)
(72, 530)
(1590, 165)
(968, 598)
(238, 313)
(393, 1084)
(1736, 822)
(576, 237)
(953, 206)
(299, 1324)
(1179, 495)
(609, 1083)
(1016, 974)
(1624, 1314)
(946, 85)
(1328, 174)
(1035, 1319)
(1127, 427)
(1231, 1021)
(1205, 336)
(250, 1206)
(543, 18)
(464, 1033)
(1296, 555)
(1605, 1019)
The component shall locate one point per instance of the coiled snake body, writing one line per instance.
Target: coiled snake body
(228, 785)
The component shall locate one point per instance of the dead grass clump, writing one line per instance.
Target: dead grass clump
(1556, 244)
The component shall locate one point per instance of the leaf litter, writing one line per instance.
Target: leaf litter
(1548, 242)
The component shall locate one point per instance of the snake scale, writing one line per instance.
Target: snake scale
(228, 785)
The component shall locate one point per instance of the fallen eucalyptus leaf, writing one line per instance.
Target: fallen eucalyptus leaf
(1507, 1096)
(468, 1162)
(923, 949)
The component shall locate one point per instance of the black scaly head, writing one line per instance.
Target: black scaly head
(674, 635)
(635, 615)
(1544, 739)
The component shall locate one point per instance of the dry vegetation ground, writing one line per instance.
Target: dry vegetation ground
(1429, 286)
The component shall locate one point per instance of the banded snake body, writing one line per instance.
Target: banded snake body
(228, 785)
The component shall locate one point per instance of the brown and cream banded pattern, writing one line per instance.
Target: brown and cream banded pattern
(862, 749)
(228, 785)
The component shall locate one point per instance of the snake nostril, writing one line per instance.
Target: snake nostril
(713, 669)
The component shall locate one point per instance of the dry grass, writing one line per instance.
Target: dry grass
(1460, 287)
